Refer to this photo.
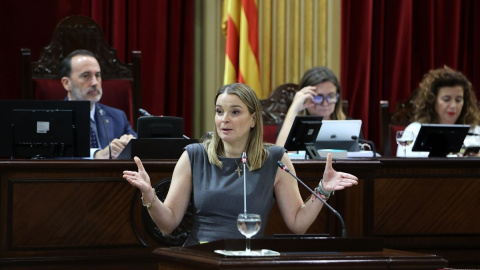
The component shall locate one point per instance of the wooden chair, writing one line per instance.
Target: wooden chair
(181, 233)
(121, 82)
(274, 109)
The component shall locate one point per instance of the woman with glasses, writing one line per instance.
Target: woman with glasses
(319, 95)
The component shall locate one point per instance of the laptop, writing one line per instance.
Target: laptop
(339, 134)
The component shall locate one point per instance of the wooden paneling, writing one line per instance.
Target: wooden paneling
(429, 205)
(72, 213)
(407, 210)
(53, 216)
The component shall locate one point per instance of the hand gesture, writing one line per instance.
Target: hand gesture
(303, 99)
(333, 180)
(139, 179)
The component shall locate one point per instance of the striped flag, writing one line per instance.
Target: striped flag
(240, 27)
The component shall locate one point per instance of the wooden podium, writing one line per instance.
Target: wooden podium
(298, 253)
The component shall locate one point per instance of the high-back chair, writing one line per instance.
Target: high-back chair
(274, 109)
(121, 82)
(392, 122)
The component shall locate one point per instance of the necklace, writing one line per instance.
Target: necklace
(238, 170)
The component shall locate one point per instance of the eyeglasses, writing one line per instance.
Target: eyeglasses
(331, 99)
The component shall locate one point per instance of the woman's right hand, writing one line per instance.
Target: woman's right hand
(303, 99)
(333, 180)
(139, 179)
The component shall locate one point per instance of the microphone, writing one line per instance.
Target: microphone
(102, 112)
(144, 112)
(284, 167)
(374, 149)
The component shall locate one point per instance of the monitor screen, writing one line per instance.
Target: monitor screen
(44, 129)
(303, 134)
(160, 127)
(439, 139)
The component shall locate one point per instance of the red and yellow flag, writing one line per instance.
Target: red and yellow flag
(240, 27)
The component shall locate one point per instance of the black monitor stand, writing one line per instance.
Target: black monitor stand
(312, 151)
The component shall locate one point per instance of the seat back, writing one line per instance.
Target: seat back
(274, 109)
(121, 82)
(385, 147)
(179, 236)
(393, 122)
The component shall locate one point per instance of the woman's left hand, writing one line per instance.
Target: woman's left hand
(333, 180)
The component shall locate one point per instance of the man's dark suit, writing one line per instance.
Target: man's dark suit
(115, 121)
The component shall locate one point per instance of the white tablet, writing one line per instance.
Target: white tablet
(339, 134)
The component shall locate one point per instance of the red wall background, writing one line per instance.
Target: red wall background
(388, 45)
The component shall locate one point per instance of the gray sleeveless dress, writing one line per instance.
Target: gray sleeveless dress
(218, 194)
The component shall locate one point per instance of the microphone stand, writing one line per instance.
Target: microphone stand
(284, 167)
(244, 161)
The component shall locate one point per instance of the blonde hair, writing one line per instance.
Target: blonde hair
(256, 152)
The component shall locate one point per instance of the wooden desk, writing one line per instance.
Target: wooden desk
(82, 212)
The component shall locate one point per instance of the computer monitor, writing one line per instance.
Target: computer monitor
(160, 127)
(440, 139)
(303, 134)
(339, 134)
(44, 129)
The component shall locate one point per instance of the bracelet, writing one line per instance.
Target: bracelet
(322, 191)
(150, 205)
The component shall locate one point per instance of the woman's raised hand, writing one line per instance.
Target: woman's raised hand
(304, 98)
(139, 179)
(333, 180)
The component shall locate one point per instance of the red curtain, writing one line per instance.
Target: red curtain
(163, 31)
(387, 46)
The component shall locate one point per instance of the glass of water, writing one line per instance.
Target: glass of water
(248, 225)
(404, 139)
